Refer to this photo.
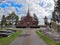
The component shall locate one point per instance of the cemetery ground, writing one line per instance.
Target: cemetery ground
(29, 36)
(48, 40)
(8, 39)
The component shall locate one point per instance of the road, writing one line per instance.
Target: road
(28, 37)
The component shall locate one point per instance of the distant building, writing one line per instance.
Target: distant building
(27, 20)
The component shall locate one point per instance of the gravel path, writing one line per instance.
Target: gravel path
(28, 37)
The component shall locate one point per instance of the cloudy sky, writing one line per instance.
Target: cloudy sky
(41, 8)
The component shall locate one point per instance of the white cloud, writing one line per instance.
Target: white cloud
(40, 11)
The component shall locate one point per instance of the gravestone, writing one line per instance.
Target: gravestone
(5, 33)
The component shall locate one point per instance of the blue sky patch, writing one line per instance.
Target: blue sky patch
(14, 4)
(11, 4)
(41, 4)
(3, 5)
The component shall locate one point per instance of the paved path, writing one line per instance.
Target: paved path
(28, 37)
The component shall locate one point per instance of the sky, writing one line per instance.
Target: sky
(41, 8)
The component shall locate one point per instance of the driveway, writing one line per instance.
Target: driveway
(28, 37)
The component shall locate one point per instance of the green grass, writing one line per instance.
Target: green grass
(3, 28)
(8, 40)
(46, 39)
(58, 43)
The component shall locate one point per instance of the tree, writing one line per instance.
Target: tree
(36, 18)
(57, 11)
(3, 20)
(11, 18)
(10, 23)
(46, 20)
(17, 19)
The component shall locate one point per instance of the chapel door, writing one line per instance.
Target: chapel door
(28, 24)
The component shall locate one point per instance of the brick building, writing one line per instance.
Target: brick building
(27, 20)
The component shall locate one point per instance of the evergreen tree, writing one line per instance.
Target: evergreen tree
(46, 20)
(3, 20)
(57, 11)
(11, 18)
(36, 18)
(10, 23)
(17, 19)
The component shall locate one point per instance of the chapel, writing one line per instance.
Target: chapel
(27, 20)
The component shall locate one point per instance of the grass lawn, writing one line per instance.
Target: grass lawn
(8, 40)
(58, 43)
(3, 28)
(46, 39)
